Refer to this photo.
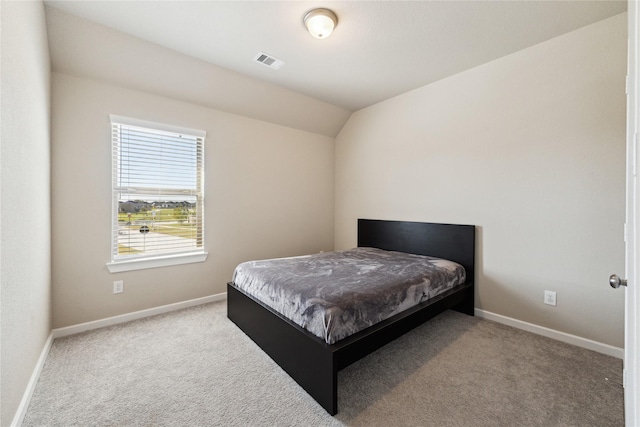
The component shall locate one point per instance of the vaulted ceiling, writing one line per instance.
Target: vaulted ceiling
(378, 50)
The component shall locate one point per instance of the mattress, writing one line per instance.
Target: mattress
(336, 294)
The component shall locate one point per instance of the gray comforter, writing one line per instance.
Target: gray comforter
(336, 294)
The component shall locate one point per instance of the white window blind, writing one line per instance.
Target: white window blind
(158, 197)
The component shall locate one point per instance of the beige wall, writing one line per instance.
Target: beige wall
(269, 192)
(530, 148)
(25, 221)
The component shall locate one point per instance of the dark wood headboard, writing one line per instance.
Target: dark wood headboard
(448, 241)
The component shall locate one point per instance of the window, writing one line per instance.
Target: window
(158, 197)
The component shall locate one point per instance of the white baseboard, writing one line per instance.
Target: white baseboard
(552, 333)
(31, 386)
(110, 321)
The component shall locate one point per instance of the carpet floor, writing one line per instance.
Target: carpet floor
(194, 367)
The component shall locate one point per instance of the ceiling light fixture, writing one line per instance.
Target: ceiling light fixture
(320, 22)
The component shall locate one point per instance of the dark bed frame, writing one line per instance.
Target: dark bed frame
(314, 364)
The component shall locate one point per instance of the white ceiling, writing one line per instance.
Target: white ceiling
(379, 49)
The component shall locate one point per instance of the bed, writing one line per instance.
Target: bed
(312, 361)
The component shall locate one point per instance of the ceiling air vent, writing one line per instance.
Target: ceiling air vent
(269, 61)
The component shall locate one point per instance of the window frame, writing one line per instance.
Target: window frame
(138, 262)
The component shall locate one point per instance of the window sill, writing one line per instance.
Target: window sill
(155, 262)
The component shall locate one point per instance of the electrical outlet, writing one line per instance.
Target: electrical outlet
(118, 286)
(550, 298)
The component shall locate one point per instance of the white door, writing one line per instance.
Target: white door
(632, 235)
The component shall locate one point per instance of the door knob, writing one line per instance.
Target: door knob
(615, 281)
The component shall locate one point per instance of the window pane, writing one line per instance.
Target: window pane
(152, 160)
(157, 226)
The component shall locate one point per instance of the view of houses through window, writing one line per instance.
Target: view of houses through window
(154, 226)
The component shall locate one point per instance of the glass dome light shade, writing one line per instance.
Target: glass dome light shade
(320, 22)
